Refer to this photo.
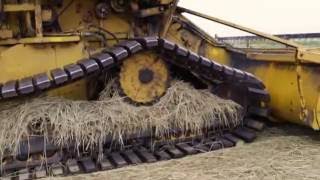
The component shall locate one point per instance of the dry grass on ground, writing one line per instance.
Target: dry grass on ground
(286, 152)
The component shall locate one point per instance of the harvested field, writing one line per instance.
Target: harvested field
(284, 152)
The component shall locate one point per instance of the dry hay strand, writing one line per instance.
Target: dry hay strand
(89, 123)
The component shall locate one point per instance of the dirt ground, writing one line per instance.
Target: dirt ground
(285, 152)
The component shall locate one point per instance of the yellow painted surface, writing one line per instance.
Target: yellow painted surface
(218, 54)
(281, 81)
(294, 92)
(39, 40)
(294, 89)
(21, 61)
(19, 7)
(79, 14)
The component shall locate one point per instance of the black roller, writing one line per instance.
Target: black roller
(25, 86)
(59, 76)
(74, 71)
(41, 81)
(105, 60)
(131, 46)
(149, 42)
(118, 53)
(89, 65)
(9, 89)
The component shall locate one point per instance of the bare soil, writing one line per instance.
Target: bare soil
(282, 152)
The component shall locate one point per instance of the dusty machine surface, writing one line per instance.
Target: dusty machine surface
(68, 48)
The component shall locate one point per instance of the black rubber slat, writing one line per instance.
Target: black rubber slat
(118, 53)
(8, 90)
(254, 124)
(205, 63)
(182, 52)
(105, 164)
(162, 155)
(24, 174)
(34, 145)
(239, 74)
(186, 148)
(104, 60)
(253, 80)
(167, 45)
(39, 172)
(226, 142)
(193, 58)
(131, 46)
(118, 160)
(88, 165)
(258, 111)
(214, 145)
(229, 73)
(25, 86)
(246, 134)
(145, 155)
(132, 157)
(57, 170)
(258, 94)
(202, 148)
(73, 166)
(149, 42)
(89, 65)
(217, 68)
(235, 140)
(74, 71)
(205, 67)
(59, 76)
(41, 81)
(175, 152)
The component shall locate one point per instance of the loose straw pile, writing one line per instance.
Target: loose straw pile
(90, 122)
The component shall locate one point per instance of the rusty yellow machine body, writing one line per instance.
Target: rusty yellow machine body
(37, 36)
(289, 73)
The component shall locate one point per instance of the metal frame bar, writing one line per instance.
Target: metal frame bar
(239, 27)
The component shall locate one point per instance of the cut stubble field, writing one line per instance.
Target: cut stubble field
(281, 152)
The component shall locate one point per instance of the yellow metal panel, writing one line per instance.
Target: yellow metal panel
(286, 102)
(22, 61)
(294, 87)
(67, 54)
(283, 57)
(218, 54)
(75, 91)
(79, 14)
(18, 7)
(281, 83)
(183, 38)
(311, 91)
(316, 123)
(308, 56)
(39, 40)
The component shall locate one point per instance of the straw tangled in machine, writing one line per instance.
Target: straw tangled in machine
(90, 122)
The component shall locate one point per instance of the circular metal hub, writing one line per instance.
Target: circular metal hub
(146, 75)
(144, 78)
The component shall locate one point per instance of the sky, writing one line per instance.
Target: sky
(271, 16)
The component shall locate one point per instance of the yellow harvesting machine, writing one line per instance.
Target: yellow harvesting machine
(37, 37)
(68, 48)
